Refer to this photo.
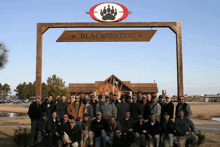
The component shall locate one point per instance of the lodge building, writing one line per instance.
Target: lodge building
(115, 85)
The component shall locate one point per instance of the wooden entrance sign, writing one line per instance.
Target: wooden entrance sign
(92, 36)
(174, 26)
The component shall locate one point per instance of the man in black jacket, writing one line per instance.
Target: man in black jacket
(64, 127)
(185, 130)
(163, 105)
(99, 128)
(170, 106)
(135, 109)
(48, 106)
(167, 131)
(153, 130)
(52, 129)
(182, 105)
(34, 114)
(127, 124)
(41, 128)
(72, 135)
(140, 130)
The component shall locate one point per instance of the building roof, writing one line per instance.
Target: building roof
(135, 87)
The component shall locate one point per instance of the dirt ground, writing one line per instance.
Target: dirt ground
(7, 125)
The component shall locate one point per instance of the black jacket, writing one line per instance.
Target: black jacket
(64, 127)
(139, 128)
(97, 127)
(52, 127)
(34, 111)
(147, 111)
(153, 130)
(41, 125)
(73, 134)
(136, 109)
(169, 128)
(49, 110)
(170, 109)
(127, 124)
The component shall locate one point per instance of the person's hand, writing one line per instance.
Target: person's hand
(59, 123)
(103, 131)
(150, 136)
(46, 134)
(58, 135)
(187, 133)
(144, 131)
(124, 133)
(130, 130)
(68, 141)
(192, 133)
(83, 131)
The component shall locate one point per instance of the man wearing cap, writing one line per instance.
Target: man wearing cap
(61, 107)
(108, 109)
(72, 135)
(122, 108)
(170, 106)
(92, 108)
(114, 125)
(135, 109)
(182, 105)
(153, 131)
(114, 100)
(155, 108)
(139, 97)
(167, 131)
(41, 128)
(185, 130)
(100, 99)
(34, 114)
(140, 129)
(85, 128)
(82, 96)
(76, 110)
(163, 106)
(48, 106)
(99, 128)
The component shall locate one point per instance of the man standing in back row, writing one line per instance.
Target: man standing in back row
(182, 105)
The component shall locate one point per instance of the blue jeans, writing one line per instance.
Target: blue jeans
(100, 140)
(53, 139)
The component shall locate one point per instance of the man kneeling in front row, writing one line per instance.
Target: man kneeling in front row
(185, 130)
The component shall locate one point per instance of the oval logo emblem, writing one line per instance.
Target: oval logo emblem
(109, 12)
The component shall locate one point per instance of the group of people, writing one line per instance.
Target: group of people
(126, 122)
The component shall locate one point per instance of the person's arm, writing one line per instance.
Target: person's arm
(188, 109)
(114, 111)
(31, 112)
(158, 110)
(191, 125)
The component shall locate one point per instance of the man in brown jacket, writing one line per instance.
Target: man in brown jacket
(75, 110)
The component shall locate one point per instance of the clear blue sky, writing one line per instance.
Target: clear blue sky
(141, 62)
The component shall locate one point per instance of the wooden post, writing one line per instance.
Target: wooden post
(39, 61)
(179, 59)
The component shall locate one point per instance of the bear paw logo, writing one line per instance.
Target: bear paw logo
(108, 14)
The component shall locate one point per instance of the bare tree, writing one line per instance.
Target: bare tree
(3, 55)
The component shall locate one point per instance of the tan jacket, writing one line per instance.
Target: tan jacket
(71, 111)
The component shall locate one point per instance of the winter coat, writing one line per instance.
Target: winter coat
(147, 111)
(97, 127)
(49, 108)
(155, 109)
(135, 110)
(72, 112)
(169, 128)
(163, 106)
(183, 125)
(155, 129)
(34, 111)
(41, 125)
(122, 108)
(89, 109)
(73, 134)
(61, 108)
(64, 127)
(127, 124)
(170, 109)
(52, 127)
(139, 128)
(108, 111)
